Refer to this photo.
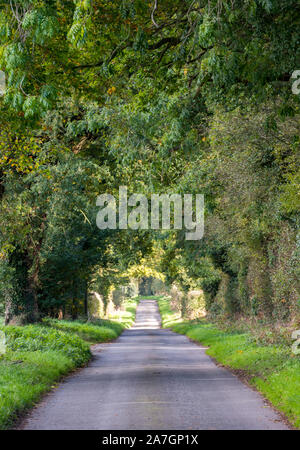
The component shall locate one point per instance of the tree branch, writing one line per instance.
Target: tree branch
(152, 14)
(102, 61)
(172, 40)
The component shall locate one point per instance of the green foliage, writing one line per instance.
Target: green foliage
(38, 338)
(36, 357)
(168, 316)
(232, 51)
(86, 331)
(124, 317)
(25, 376)
(116, 326)
(194, 98)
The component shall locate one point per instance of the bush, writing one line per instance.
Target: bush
(87, 331)
(40, 338)
(115, 326)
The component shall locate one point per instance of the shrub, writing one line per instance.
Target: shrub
(40, 338)
(87, 331)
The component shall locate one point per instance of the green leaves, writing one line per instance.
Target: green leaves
(267, 4)
(77, 34)
(31, 106)
(38, 338)
(201, 104)
(41, 24)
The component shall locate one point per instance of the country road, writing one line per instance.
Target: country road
(151, 378)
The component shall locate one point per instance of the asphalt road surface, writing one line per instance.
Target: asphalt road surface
(152, 379)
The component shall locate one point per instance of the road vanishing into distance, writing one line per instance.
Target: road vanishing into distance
(152, 379)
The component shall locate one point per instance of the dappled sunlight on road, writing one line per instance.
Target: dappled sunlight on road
(147, 317)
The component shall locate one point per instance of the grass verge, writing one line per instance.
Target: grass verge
(273, 370)
(88, 331)
(37, 356)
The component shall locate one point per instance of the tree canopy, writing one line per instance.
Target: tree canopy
(189, 96)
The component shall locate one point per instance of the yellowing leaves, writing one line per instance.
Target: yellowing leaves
(111, 90)
(19, 153)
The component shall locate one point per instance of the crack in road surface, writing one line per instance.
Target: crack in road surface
(152, 379)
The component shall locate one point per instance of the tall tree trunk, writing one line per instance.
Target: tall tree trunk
(33, 280)
(32, 291)
(86, 306)
(74, 303)
(9, 310)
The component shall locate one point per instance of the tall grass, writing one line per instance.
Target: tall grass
(87, 331)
